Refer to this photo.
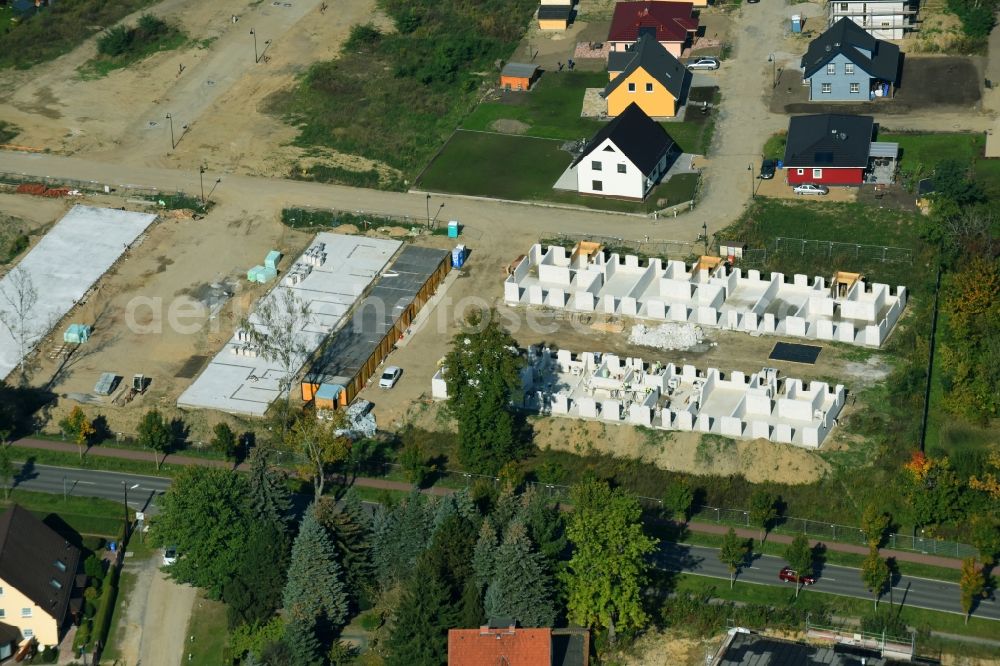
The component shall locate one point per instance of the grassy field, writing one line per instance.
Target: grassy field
(209, 644)
(86, 515)
(101, 66)
(533, 166)
(551, 110)
(774, 147)
(843, 606)
(921, 152)
(126, 583)
(58, 29)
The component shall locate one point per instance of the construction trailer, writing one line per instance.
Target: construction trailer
(353, 354)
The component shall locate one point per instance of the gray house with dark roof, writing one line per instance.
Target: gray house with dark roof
(846, 64)
(626, 158)
(37, 577)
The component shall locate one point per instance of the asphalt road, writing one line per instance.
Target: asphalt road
(918, 592)
(91, 483)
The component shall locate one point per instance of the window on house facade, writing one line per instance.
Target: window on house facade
(28, 633)
(831, 69)
(621, 168)
(849, 68)
(3, 613)
(631, 87)
(843, 6)
(885, 24)
(597, 186)
(855, 87)
(799, 172)
(826, 88)
(817, 173)
(649, 87)
(595, 165)
(25, 612)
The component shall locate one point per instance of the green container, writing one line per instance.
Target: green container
(254, 274)
(272, 259)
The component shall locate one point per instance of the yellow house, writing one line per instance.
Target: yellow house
(37, 577)
(649, 76)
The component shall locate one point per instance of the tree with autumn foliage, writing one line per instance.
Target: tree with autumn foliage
(79, 427)
(970, 339)
(972, 586)
(932, 490)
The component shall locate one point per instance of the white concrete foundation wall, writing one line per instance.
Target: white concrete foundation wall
(627, 390)
(61, 268)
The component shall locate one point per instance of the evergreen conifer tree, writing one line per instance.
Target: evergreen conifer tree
(521, 587)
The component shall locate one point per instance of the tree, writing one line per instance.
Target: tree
(484, 555)
(155, 434)
(400, 534)
(984, 532)
(545, 524)
(274, 329)
(483, 372)
(319, 445)
(206, 515)
(315, 601)
(799, 556)
(270, 499)
(78, 426)
(763, 511)
(875, 574)
(254, 593)
(224, 440)
(350, 531)
(733, 553)
(609, 565)
(972, 586)
(953, 180)
(677, 500)
(521, 586)
(6, 469)
(17, 315)
(874, 524)
(419, 636)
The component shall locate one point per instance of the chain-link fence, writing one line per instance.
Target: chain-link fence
(829, 249)
(841, 533)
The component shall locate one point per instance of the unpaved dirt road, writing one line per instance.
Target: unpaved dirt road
(156, 617)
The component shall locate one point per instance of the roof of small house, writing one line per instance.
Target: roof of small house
(519, 69)
(495, 645)
(36, 561)
(554, 12)
(670, 21)
(640, 138)
(829, 140)
(650, 56)
(847, 38)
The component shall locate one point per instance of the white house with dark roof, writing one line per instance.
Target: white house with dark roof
(626, 158)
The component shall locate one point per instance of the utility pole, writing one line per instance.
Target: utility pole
(253, 34)
(428, 201)
(64, 489)
(201, 179)
(171, 119)
(753, 183)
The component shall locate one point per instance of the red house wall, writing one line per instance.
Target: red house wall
(852, 176)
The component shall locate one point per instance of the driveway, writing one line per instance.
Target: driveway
(156, 616)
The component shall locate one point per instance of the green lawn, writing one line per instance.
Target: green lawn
(532, 166)
(842, 606)
(66, 459)
(210, 643)
(551, 109)
(774, 147)
(921, 152)
(126, 583)
(86, 515)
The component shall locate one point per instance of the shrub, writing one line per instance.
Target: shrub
(150, 28)
(16, 246)
(362, 38)
(49, 655)
(94, 567)
(115, 42)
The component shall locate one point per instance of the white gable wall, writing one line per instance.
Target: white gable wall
(630, 184)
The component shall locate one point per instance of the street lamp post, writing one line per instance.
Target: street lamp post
(774, 70)
(253, 34)
(64, 489)
(201, 179)
(171, 119)
(704, 232)
(428, 202)
(217, 181)
(127, 488)
(753, 188)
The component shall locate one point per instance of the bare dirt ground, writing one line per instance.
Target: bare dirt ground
(216, 101)
(664, 648)
(928, 83)
(156, 617)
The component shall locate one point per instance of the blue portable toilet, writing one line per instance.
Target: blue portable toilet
(453, 229)
(780, 164)
(796, 23)
(458, 256)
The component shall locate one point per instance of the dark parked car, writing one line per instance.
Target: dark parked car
(790, 576)
(767, 169)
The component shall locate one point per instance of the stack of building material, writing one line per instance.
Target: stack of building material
(360, 421)
(316, 255)
(272, 259)
(298, 273)
(106, 384)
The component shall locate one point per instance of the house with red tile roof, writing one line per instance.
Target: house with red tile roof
(670, 22)
(503, 642)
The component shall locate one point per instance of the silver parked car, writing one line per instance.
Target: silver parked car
(811, 188)
(703, 64)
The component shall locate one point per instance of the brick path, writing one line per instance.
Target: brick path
(384, 484)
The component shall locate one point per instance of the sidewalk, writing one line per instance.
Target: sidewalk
(384, 484)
